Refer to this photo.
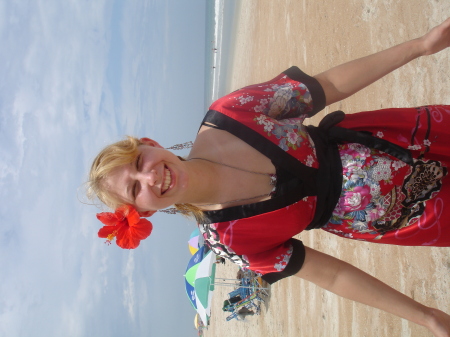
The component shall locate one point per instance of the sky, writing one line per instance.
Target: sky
(76, 76)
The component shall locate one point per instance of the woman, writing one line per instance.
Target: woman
(256, 176)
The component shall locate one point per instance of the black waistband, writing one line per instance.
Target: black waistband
(329, 176)
(329, 185)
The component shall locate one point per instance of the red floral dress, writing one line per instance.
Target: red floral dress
(383, 199)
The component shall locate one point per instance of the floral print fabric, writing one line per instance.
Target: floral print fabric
(369, 176)
(383, 198)
(259, 257)
(281, 100)
(277, 110)
(212, 239)
(278, 105)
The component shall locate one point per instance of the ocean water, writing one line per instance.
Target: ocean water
(221, 16)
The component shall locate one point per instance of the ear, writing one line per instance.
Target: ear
(146, 214)
(151, 142)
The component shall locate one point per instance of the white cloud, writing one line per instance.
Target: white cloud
(129, 293)
(57, 109)
(54, 58)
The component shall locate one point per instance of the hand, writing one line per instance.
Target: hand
(436, 39)
(438, 323)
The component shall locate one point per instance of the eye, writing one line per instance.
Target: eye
(138, 161)
(135, 189)
(136, 185)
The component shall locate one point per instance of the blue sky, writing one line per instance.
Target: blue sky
(77, 75)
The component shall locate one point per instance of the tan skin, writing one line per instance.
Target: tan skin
(234, 184)
(212, 183)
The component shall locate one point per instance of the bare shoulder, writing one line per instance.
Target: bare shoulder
(220, 145)
(212, 139)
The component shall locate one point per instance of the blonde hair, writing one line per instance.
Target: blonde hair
(114, 155)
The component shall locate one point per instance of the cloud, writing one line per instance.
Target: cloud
(63, 96)
(129, 294)
(53, 67)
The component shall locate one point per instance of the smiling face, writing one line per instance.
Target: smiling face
(156, 179)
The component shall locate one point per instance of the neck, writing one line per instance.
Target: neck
(220, 184)
(204, 182)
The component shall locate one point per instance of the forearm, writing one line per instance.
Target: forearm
(352, 283)
(346, 79)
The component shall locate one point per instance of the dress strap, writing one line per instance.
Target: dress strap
(364, 138)
(338, 134)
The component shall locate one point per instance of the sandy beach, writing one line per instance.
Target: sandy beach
(315, 35)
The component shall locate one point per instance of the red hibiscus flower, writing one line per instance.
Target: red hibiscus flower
(126, 225)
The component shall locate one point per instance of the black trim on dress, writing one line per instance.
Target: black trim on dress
(306, 185)
(294, 265)
(314, 88)
(351, 136)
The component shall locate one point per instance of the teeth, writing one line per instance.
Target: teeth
(167, 180)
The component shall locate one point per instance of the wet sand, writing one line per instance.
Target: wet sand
(315, 35)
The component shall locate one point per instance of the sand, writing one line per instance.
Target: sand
(315, 35)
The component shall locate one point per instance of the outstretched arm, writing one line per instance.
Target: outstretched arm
(346, 79)
(350, 282)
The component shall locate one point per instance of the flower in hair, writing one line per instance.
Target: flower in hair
(126, 225)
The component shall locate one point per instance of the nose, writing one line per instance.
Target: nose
(151, 177)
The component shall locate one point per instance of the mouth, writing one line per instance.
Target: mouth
(167, 180)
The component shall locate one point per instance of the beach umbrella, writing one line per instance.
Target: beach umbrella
(204, 285)
(195, 232)
(189, 277)
(193, 243)
(197, 321)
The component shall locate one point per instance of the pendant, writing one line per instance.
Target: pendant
(273, 179)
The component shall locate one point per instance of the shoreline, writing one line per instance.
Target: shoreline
(237, 38)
